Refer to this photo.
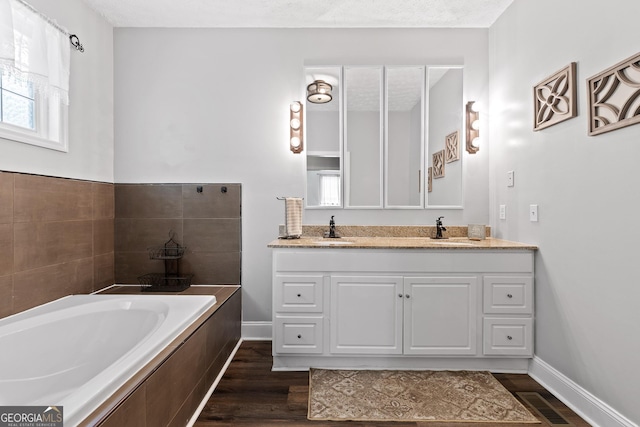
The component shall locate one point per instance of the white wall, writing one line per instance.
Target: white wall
(90, 153)
(587, 286)
(212, 105)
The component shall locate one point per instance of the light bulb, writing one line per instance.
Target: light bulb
(474, 107)
(295, 142)
(295, 124)
(295, 106)
(475, 124)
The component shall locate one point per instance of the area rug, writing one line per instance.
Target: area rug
(443, 396)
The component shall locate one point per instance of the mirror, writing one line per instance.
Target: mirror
(445, 138)
(363, 137)
(379, 142)
(404, 136)
(323, 142)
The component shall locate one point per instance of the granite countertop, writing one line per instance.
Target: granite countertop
(347, 242)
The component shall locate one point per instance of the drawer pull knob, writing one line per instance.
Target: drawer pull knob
(408, 296)
(301, 295)
(300, 336)
(508, 296)
(399, 295)
(509, 337)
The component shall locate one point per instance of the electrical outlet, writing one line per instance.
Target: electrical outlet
(503, 211)
(510, 181)
(533, 213)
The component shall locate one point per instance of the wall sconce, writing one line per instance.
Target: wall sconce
(473, 127)
(319, 92)
(295, 125)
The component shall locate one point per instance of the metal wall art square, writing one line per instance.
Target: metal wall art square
(452, 147)
(438, 164)
(614, 97)
(555, 98)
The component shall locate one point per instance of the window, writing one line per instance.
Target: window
(34, 77)
(26, 115)
(17, 104)
(329, 190)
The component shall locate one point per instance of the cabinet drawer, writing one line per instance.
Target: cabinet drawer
(508, 294)
(508, 337)
(298, 294)
(298, 334)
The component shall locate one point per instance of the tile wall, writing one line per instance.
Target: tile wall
(208, 223)
(56, 239)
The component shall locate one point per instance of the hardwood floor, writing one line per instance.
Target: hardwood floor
(250, 394)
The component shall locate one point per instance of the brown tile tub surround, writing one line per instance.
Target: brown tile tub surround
(208, 223)
(57, 239)
(169, 389)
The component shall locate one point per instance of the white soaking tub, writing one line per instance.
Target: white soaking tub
(77, 351)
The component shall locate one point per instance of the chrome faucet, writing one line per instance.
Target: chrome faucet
(439, 228)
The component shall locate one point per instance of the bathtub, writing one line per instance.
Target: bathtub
(77, 351)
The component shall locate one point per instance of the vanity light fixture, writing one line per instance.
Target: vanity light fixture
(473, 127)
(319, 92)
(295, 126)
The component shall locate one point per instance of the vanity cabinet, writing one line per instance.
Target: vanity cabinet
(398, 308)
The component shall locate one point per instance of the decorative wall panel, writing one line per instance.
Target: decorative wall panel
(438, 164)
(614, 97)
(452, 147)
(554, 98)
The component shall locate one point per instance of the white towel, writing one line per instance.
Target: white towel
(293, 216)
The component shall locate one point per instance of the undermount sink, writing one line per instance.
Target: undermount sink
(332, 242)
(452, 243)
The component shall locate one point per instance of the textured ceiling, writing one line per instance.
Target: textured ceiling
(301, 13)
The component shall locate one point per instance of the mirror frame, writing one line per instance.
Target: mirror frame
(424, 196)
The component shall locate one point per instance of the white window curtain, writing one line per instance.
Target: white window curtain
(329, 190)
(33, 49)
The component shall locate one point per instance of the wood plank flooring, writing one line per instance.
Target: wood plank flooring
(250, 394)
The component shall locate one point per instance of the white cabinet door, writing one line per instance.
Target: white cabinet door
(366, 314)
(440, 315)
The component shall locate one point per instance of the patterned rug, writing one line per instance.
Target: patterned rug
(453, 396)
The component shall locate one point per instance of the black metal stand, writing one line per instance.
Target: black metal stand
(171, 280)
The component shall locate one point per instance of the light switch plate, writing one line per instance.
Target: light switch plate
(510, 179)
(533, 213)
(503, 211)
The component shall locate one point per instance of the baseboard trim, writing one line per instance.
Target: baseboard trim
(256, 331)
(582, 402)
